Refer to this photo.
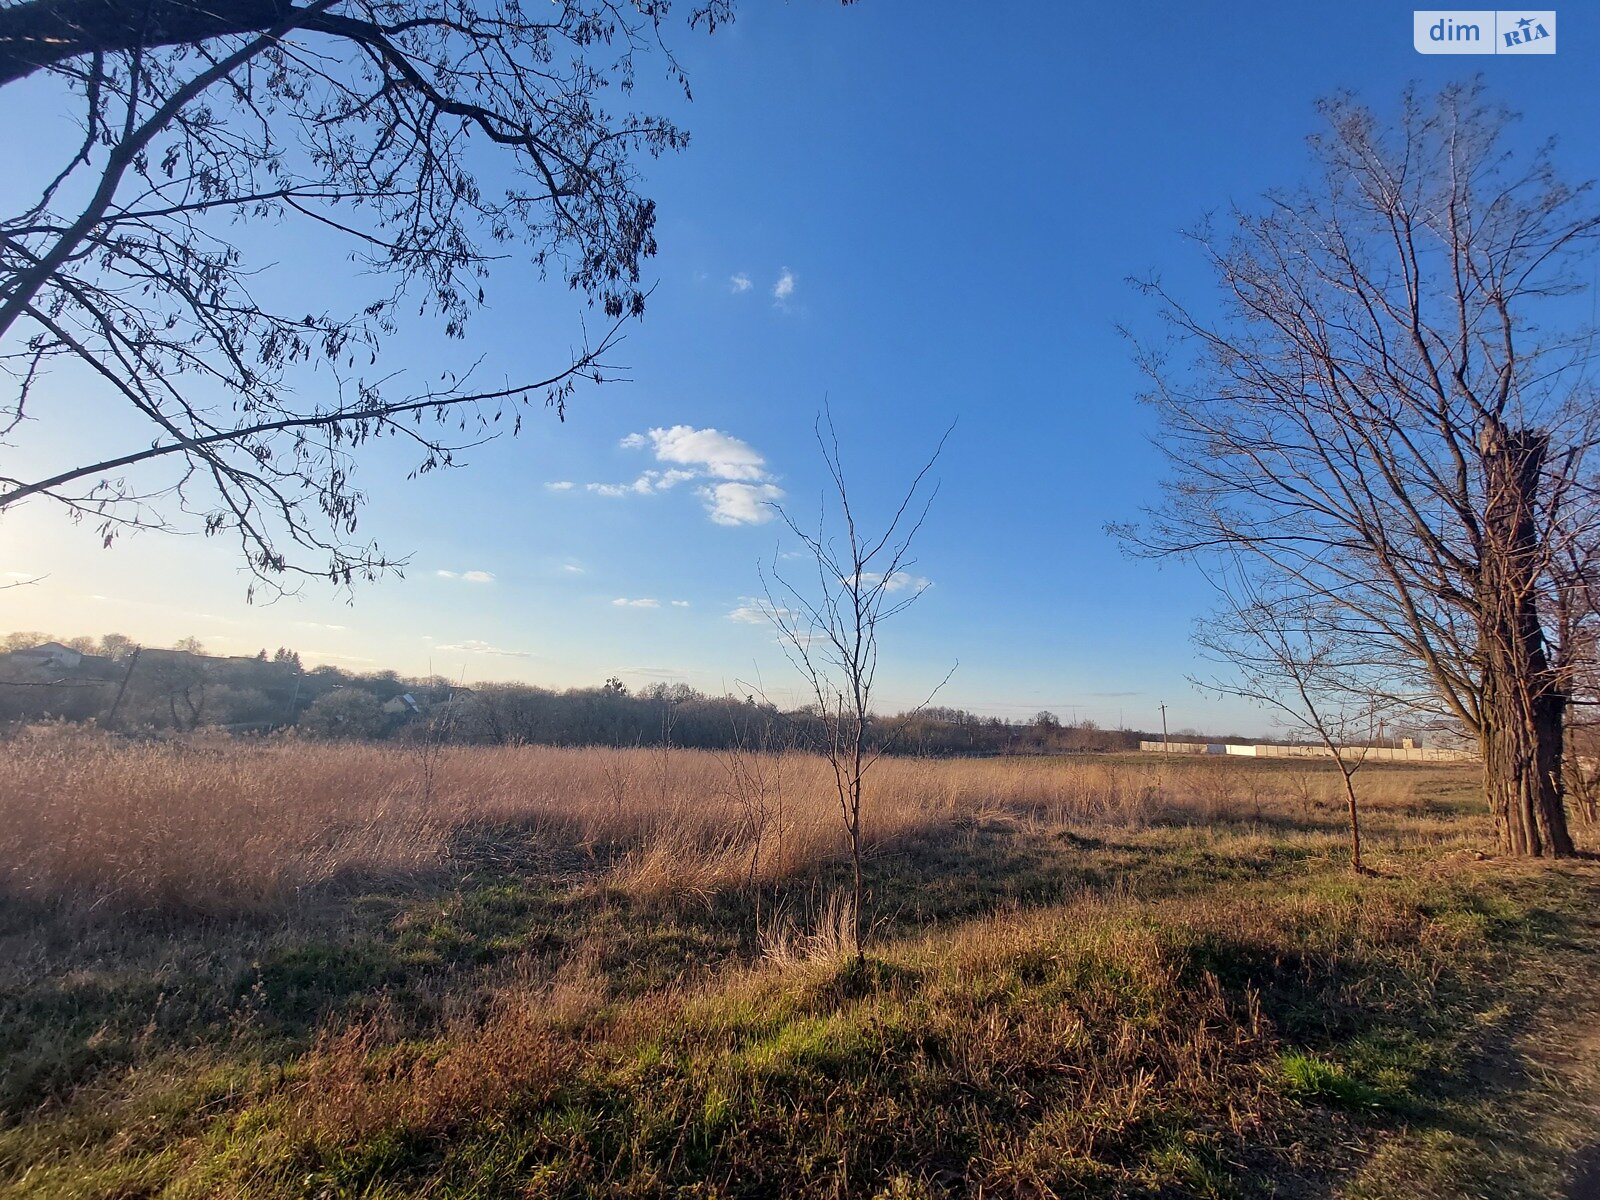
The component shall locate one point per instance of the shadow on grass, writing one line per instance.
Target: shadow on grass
(111, 990)
(509, 904)
(114, 990)
(1449, 1094)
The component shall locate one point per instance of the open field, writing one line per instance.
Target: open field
(282, 970)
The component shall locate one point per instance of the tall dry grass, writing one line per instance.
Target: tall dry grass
(224, 825)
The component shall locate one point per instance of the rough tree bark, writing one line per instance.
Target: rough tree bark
(1524, 704)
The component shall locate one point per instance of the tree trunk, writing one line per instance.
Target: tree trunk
(1581, 779)
(1522, 777)
(1524, 706)
(1355, 821)
(855, 897)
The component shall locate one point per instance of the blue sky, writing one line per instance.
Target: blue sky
(956, 195)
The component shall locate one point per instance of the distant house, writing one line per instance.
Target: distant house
(52, 656)
(409, 704)
(53, 665)
(406, 704)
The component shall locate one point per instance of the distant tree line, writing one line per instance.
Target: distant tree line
(180, 689)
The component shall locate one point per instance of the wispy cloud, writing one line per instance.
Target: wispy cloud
(738, 488)
(477, 646)
(559, 485)
(644, 602)
(784, 288)
(320, 625)
(466, 576)
(166, 608)
(680, 604)
(900, 581)
(739, 283)
(648, 482)
(753, 611)
(741, 503)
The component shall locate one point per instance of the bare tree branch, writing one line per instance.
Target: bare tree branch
(370, 121)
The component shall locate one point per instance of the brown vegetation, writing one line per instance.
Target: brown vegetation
(283, 969)
(217, 826)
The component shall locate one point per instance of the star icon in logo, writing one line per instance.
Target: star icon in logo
(1525, 22)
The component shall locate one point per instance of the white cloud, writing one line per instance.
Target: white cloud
(320, 625)
(645, 602)
(784, 288)
(741, 503)
(467, 576)
(739, 490)
(572, 568)
(559, 485)
(644, 485)
(752, 611)
(704, 451)
(900, 581)
(445, 574)
(680, 604)
(739, 283)
(477, 646)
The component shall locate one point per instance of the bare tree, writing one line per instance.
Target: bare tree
(1578, 620)
(1289, 657)
(1389, 414)
(828, 627)
(178, 680)
(754, 762)
(373, 123)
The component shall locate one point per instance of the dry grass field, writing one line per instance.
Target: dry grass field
(291, 969)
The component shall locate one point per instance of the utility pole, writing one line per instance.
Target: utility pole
(111, 714)
(1163, 729)
(294, 700)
